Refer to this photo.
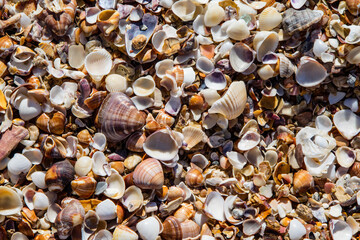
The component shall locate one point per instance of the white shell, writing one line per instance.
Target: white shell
(83, 166)
(340, 230)
(41, 201)
(318, 167)
(163, 66)
(91, 14)
(38, 178)
(184, 9)
(212, 209)
(254, 156)
(241, 57)
(335, 98)
(29, 108)
(264, 42)
(161, 145)
(265, 72)
(353, 56)
(8, 194)
(352, 103)
(76, 56)
(98, 64)
(142, 103)
(296, 230)
(319, 47)
(115, 83)
(192, 136)
(204, 65)
(347, 123)
(269, 19)
(323, 123)
(236, 159)
(144, 86)
(200, 160)
(103, 234)
(106, 210)
(345, 156)
(298, 3)
(19, 164)
(228, 206)
(310, 72)
(215, 80)
(19, 236)
(149, 228)
(133, 198)
(248, 141)
(123, 232)
(99, 141)
(232, 103)
(214, 15)
(116, 185)
(99, 163)
(238, 30)
(251, 227)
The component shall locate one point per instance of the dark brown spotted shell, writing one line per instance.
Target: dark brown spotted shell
(299, 20)
(118, 117)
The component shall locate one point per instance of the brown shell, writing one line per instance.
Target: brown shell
(52, 147)
(135, 141)
(194, 178)
(84, 136)
(172, 229)
(59, 175)
(6, 45)
(175, 192)
(118, 117)
(185, 212)
(299, 20)
(149, 174)
(164, 119)
(352, 6)
(303, 181)
(57, 123)
(42, 122)
(189, 229)
(84, 186)
(355, 169)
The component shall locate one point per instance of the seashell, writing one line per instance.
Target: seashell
(175, 192)
(59, 175)
(345, 156)
(214, 15)
(41, 201)
(135, 141)
(196, 102)
(123, 232)
(131, 161)
(118, 117)
(103, 234)
(98, 64)
(184, 9)
(296, 230)
(265, 72)
(132, 198)
(84, 186)
(149, 174)
(286, 68)
(19, 236)
(204, 65)
(355, 169)
(176, 230)
(83, 166)
(319, 167)
(340, 229)
(3, 68)
(299, 20)
(42, 122)
(264, 42)
(212, 209)
(10, 201)
(353, 6)
(241, 57)
(17, 165)
(194, 178)
(347, 123)
(323, 122)
(185, 212)
(116, 186)
(21, 61)
(144, 86)
(53, 147)
(309, 65)
(161, 145)
(254, 156)
(303, 181)
(165, 119)
(6, 46)
(232, 103)
(107, 21)
(38, 178)
(149, 228)
(269, 19)
(238, 30)
(248, 141)
(84, 137)
(106, 210)
(57, 123)
(215, 80)
(71, 216)
(116, 83)
(237, 160)
(107, 4)
(76, 56)
(297, 4)
(193, 136)
(251, 226)
(148, 22)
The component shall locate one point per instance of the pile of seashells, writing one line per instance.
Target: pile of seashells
(179, 119)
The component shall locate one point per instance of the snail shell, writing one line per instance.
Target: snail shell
(302, 181)
(59, 175)
(185, 212)
(194, 178)
(174, 230)
(149, 174)
(118, 117)
(84, 186)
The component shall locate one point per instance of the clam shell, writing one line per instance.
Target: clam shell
(144, 86)
(310, 72)
(214, 15)
(149, 228)
(123, 232)
(353, 56)
(184, 9)
(118, 117)
(212, 209)
(98, 64)
(232, 103)
(161, 145)
(149, 174)
(116, 83)
(248, 141)
(345, 156)
(193, 136)
(215, 80)
(18, 164)
(76, 56)
(116, 186)
(251, 226)
(204, 65)
(238, 30)
(133, 198)
(340, 230)
(241, 57)
(83, 166)
(106, 210)
(10, 201)
(269, 19)
(296, 230)
(264, 42)
(323, 122)
(347, 123)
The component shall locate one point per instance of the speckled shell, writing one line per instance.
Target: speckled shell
(149, 174)
(59, 175)
(298, 20)
(118, 117)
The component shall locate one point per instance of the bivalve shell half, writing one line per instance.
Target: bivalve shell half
(144, 86)
(269, 19)
(238, 30)
(116, 83)
(149, 228)
(347, 123)
(340, 230)
(264, 42)
(184, 9)
(123, 232)
(116, 185)
(149, 174)
(133, 198)
(212, 206)
(98, 64)
(76, 56)
(251, 227)
(193, 136)
(241, 57)
(345, 156)
(10, 201)
(161, 145)
(214, 15)
(310, 72)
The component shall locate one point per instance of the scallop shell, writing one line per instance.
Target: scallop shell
(310, 72)
(264, 42)
(193, 136)
(269, 19)
(118, 117)
(241, 57)
(232, 104)
(149, 174)
(347, 123)
(10, 201)
(98, 64)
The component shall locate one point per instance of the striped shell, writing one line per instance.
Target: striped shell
(118, 117)
(149, 174)
(298, 20)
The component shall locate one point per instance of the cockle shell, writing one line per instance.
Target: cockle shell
(248, 141)
(118, 117)
(310, 72)
(238, 30)
(144, 86)
(98, 64)
(298, 20)
(10, 201)
(347, 123)
(116, 185)
(149, 228)
(269, 19)
(76, 56)
(115, 83)
(193, 136)
(132, 198)
(215, 80)
(123, 232)
(149, 174)
(232, 103)
(214, 15)
(176, 230)
(264, 42)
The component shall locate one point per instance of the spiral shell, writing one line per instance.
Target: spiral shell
(149, 174)
(302, 181)
(194, 178)
(59, 175)
(118, 117)
(84, 186)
